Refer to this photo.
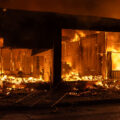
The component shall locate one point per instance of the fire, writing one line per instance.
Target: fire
(23, 69)
(92, 57)
(113, 46)
(115, 57)
(70, 69)
(82, 34)
(18, 82)
(73, 75)
(76, 38)
(78, 34)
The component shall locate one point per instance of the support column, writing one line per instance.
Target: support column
(109, 65)
(57, 58)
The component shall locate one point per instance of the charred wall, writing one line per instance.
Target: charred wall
(92, 54)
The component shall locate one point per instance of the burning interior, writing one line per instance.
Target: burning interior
(91, 56)
(45, 57)
(24, 69)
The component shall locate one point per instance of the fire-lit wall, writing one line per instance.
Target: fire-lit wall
(15, 60)
(21, 62)
(86, 52)
(113, 54)
(46, 64)
(83, 52)
(92, 49)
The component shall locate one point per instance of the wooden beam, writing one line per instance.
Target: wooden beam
(57, 59)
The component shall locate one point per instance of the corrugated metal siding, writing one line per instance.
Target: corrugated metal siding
(116, 74)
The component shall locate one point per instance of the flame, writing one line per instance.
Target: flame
(74, 76)
(72, 69)
(23, 68)
(82, 34)
(115, 57)
(17, 81)
(113, 47)
(70, 74)
(78, 35)
(76, 38)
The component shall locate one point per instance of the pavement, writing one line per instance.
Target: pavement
(91, 112)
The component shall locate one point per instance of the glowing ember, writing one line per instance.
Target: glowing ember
(74, 76)
(17, 81)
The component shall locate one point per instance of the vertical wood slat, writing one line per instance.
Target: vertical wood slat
(91, 49)
(116, 75)
(109, 65)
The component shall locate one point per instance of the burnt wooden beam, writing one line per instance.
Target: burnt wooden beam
(109, 65)
(57, 58)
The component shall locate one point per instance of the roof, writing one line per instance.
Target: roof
(28, 29)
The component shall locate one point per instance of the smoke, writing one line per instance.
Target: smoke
(103, 8)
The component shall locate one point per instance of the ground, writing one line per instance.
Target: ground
(91, 112)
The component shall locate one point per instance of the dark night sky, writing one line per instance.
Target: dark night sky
(104, 8)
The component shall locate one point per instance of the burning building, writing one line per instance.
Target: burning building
(48, 48)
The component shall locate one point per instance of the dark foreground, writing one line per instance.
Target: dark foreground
(89, 112)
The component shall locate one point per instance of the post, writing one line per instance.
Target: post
(57, 58)
(1, 46)
(109, 65)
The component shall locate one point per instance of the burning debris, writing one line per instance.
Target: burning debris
(20, 70)
(90, 67)
(86, 62)
(75, 76)
(85, 57)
